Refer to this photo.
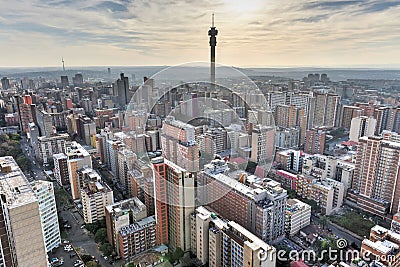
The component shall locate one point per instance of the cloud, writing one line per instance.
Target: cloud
(172, 31)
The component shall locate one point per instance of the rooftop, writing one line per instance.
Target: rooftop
(13, 183)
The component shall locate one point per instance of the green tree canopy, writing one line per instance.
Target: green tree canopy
(100, 235)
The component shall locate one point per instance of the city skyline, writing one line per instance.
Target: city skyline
(254, 33)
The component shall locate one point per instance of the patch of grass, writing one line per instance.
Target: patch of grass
(354, 222)
(64, 234)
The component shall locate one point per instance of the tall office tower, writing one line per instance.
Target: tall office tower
(242, 248)
(95, 196)
(126, 160)
(275, 99)
(121, 90)
(362, 126)
(376, 177)
(61, 169)
(22, 240)
(315, 141)
(262, 144)
(213, 32)
(64, 81)
(5, 83)
(44, 193)
(349, 113)
(48, 146)
(78, 158)
(174, 202)
(121, 214)
(77, 80)
(259, 207)
(179, 145)
(44, 122)
(383, 119)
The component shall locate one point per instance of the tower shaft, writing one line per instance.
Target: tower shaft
(213, 32)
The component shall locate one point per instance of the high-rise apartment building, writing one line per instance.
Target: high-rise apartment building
(44, 122)
(44, 193)
(179, 145)
(95, 196)
(61, 169)
(78, 158)
(25, 115)
(315, 141)
(22, 240)
(126, 160)
(174, 202)
(262, 144)
(383, 116)
(324, 110)
(348, 113)
(376, 182)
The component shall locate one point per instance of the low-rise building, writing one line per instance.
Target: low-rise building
(383, 246)
(137, 237)
(122, 214)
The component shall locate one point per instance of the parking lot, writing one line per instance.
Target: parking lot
(66, 256)
(80, 238)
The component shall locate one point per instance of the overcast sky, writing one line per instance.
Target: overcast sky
(259, 33)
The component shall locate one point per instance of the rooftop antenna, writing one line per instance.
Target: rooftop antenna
(62, 60)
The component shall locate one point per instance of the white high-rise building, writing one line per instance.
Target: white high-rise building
(44, 192)
(22, 240)
(362, 126)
